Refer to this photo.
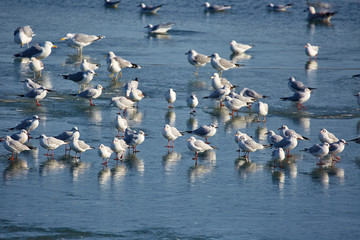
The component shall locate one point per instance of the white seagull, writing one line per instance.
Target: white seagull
(337, 147)
(13, 146)
(170, 97)
(121, 124)
(122, 103)
(171, 134)
(114, 68)
(28, 124)
(205, 131)
(314, 16)
(299, 97)
(197, 146)
(23, 35)
(249, 145)
(36, 65)
(318, 151)
(37, 94)
(105, 153)
(220, 94)
(262, 109)
(80, 77)
(148, 8)
(21, 136)
(91, 93)
(234, 104)
(311, 50)
(134, 138)
(287, 143)
(38, 51)
(197, 59)
(285, 131)
(279, 7)
(218, 82)
(221, 64)
(80, 40)
(79, 146)
(160, 28)
(50, 143)
(238, 48)
(215, 8)
(192, 101)
(119, 146)
(272, 137)
(30, 85)
(123, 63)
(297, 86)
(86, 65)
(278, 155)
(326, 136)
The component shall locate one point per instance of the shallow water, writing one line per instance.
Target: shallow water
(158, 194)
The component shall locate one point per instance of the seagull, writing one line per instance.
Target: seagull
(160, 28)
(299, 97)
(286, 132)
(221, 64)
(234, 104)
(121, 124)
(238, 48)
(38, 51)
(111, 4)
(249, 145)
(28, 124)
(114, 67)
(148, 8)
(197, 59)
(337, 147)
(279, 7)
(311, 51)
(197, 146)
(220, 94)
(134, 138)
(215, 8)
(287, 143)
(30, 85)
(105, 153)
(297, 86)
(50, 143)
(237, 136)
(326, 136)
(67, 136)
(136, 95)
(79, 146)
(318, 151)
(242, 97)
(119, 146)
(313, 16)
(171, 134)
(80, 40)
(262, 109)
(247, 92)
(218, 82)
(205, 131)
(36, 65)
(170, 97)
(278, 155)
(37, 94)
(85, 65)
(272, 137)
(23, 35)
(358, 98)
(21, 136)
(192, 101)
(133, 84)
(91, 93)
(123, 63)
(80, 77)
(122, 103)
(13, 146)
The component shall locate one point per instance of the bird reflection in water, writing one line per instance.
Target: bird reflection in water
(239, 122)
(17, 168)
(170, 160)
(245, 166)
(170, 117)
(132, 162)
(239, 57)
(118, 172)
(51, 166)
(192, 123)
(104, 176)
(77, 168)
(278, 178)
(198, 172)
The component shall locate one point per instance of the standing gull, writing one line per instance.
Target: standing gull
(278, 155)
(220, 94)
(272, 137)
(160, 28)
(326, 136)
(121, 124)
(171, 134)
(148, 8)
(119, 146)
(218, 82)
(318, 151)
(170, 97)
(221, 64)
(197, 146)
(337, 147)
(79, 146)
(21, 136)
(286, 132)
(136, 95)
(261, 109)
(80, 77)
(205, 131)
(114, 68)
(297, 86)
(105, 153)
(197, 59)
(23, 35)
(30, 85)
(36, 65)
(249, 145)
(238, 48)
(299, 97)
(123, 63)
(85, 65)
(91, 93)
(215, 8)
(134, 138)
(122, 103)
(50, 143)
(68, 135)
(287, 143)
(38, 51)
(13, 146)
(192, 101)
(28, 124)
(80, 40)
(37, 94)
(234, 104)
(311, 50)
(133, 84)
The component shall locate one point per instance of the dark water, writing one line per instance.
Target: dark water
(158, 194)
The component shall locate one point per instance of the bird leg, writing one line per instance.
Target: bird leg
(206, 141)
(91, 104)
(197, 70)
(168, 144)
(37, 103)
(196, 156)
(232, 113)
(12, 157)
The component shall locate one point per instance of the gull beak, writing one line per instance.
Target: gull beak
(62, 39)
(37, 137)
(54, 46)
(95, 74)
(188, 140)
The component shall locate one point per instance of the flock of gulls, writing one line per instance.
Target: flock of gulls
(283, 142)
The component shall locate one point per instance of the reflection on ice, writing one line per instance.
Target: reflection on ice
(170, 160)
(77, 168)
(132, 162)
(323, 174)
(239, 122)
(278, 177)
(118, 172)
(104, 176)
(192, 123)
(170, 117)
(16, 168)
(244, 167)
(239, 57)
(198, 172)
(50, 166)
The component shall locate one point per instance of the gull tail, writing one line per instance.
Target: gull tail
(239, 65)
(357, 75)
(22, 95)
(305, 138)
(284, 98)
(188, 131)
(64, 76)
(133, 65)
(99, 37)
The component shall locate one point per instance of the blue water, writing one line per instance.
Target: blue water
(158, 194)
